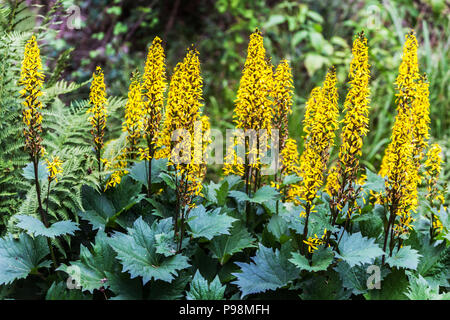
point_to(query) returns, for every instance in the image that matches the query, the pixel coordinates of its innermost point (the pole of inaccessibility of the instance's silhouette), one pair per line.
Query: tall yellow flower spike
(132, 125)
(133, 117)
(421, 119)
(32, 79)
(154, 83)
(320, 124)
(183, 103)
(254, 108)
(282, 95)
(356, 126)
(398, 164)
(183, 112)
(97, 111)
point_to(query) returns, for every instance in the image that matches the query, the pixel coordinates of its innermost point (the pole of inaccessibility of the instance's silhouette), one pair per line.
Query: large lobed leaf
(224, 246)
(18, 258)
(208, 224)
(406, 257)
(320, 261)
(262, 195)
(90, 272)
(102, 209)
(138, 251)
(357, 250)
(202, 290)
(269, 271)
(36, 228)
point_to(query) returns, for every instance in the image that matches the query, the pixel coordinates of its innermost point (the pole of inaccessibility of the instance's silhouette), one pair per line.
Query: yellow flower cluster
(282, 96)
(289, 166)
(398, 164)
(133, 114)
(97, 111)
(314, 242)
(320, 124)
(32, 79)
(420, 119)
(355, 128)
(154, 85)
(183, 113)
(290, 158)
(333, 184)
(119, 167)
(432, 171)
(254, 108)
(54, 168)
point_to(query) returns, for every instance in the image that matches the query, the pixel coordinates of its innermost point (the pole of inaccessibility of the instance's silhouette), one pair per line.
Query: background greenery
(312, 34)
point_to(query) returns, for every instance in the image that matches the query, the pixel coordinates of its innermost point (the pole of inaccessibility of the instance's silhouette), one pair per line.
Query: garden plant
(140, 195)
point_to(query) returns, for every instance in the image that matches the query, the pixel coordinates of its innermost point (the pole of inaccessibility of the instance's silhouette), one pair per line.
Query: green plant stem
(305, 229)
(42, 213)
(149, 177)
(386, 234)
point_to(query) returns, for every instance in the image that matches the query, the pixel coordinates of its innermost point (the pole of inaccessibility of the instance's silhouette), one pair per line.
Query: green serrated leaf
(208, 224)
(18, 258)
(291, 179)
(320, 260)
(161, 290)
(36, 228)
(104, 209)
(124, 287)
(357, 250)
(202, 290)
(324, 287)
(420, 289)
(406, 257)
(224, 246)
(137, 251)
(268, 270)
(392, 287)
(89, 272)
(222, 193)
(139, 171)
(168, 179)
(262, 195)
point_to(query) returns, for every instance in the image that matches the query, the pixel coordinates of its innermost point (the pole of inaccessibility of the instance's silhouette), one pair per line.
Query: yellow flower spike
(254, 108)
(97, 111)
(420, 119)
(320, 124)
(355, 125)
(119, 167)
(398, 165)
(332, 185)
(282, 94)
(154, 83)
(314, 242)
(98, 114)
(32, 79)
(133, 116)
(184, 112)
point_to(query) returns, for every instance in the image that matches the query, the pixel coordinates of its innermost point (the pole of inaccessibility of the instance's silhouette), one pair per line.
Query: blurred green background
(312, 35)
